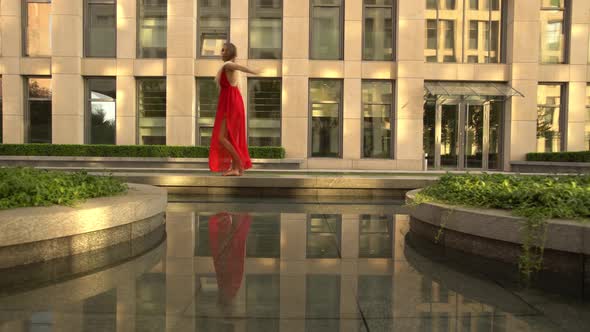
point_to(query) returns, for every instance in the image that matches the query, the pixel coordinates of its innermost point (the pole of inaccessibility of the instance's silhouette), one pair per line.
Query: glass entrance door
(449, 135)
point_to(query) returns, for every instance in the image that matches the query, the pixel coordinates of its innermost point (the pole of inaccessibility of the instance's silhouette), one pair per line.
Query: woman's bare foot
(228, 171)
(233, 172)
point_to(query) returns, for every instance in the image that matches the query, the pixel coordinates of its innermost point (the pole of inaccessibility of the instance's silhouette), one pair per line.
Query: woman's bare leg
(236, 168)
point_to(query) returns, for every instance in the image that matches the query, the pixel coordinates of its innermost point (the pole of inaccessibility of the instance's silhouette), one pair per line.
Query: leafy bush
(536, 198)
(127, 151)
(578, 156)
(23, 187)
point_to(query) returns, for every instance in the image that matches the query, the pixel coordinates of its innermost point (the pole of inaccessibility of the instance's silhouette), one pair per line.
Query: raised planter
(37, 234)
(496, 234)
(549, 167)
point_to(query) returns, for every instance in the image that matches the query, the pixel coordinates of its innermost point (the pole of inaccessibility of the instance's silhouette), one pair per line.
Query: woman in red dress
(229, 148)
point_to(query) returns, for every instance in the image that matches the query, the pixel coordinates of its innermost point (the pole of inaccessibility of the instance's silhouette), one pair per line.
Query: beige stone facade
(68, 67)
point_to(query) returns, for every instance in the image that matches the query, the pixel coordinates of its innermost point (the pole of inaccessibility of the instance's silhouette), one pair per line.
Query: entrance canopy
(483, 90)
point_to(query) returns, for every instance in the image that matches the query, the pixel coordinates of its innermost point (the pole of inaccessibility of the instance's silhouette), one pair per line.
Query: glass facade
(101, 111)
(550, 116)
(100, 28)
(464, 31)
(327, 32)
(152, 111)
(266, 24)
(38, 117)
(378, 43)
(553, 31)
(377, 119)
(264, 112)
(152, 28)
(38, 28)
(207, 97)
(326, 117)
(213, 26)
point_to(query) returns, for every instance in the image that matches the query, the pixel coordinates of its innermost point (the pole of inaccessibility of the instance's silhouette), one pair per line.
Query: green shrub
(127, 151)
(578, 156)
(23, 187)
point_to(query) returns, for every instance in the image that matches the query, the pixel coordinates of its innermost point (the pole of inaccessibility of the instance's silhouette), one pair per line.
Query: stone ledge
(562, 235)
(549, 167)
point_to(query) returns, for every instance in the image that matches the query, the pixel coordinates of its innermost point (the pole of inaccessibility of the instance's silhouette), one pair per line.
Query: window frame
(27, 108)
(228, 31)
(393, 129)
(197, 126)
(563, 114)
(310, 118)
(566, 29)
(280, 103)
(86, 26)
(338, 232)
(25, 25)
(394, 28)
(341, 34)
(137, 98)
(88, 106)
(138, 31)
(1, 111)
(390, 231)
(250, 16)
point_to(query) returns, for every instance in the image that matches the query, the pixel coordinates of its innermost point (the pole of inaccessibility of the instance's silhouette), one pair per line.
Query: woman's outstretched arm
(235, 66)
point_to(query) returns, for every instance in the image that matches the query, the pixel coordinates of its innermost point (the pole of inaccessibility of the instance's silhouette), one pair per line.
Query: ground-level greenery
(28, 187)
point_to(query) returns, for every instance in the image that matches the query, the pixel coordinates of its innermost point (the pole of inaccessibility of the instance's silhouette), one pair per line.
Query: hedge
(67, 150)
(578, 156)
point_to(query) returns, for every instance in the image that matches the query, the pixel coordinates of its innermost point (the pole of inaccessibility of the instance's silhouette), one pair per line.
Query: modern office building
(345, 84)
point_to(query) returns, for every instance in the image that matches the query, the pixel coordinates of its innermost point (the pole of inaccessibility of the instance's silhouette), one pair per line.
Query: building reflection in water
(274, 271)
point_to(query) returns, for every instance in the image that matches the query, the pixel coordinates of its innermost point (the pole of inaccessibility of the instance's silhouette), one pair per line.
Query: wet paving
(278, 266)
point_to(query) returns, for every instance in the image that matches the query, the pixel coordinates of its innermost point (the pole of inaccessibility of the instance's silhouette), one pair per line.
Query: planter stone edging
(562, 235)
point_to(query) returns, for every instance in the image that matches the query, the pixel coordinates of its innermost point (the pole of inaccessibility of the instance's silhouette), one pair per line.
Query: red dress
(227, 240)
(231, 108)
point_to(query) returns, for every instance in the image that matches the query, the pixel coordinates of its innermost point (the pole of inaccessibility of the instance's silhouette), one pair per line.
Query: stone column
(180, 77)
(126, 86)
(577, 86)
(353, 46)
(409, 89)
(295, 70)
(67, 105)
(12, 83)
(523, 54)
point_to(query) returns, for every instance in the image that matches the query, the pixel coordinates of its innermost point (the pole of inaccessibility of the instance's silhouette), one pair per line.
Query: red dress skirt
(231, 109)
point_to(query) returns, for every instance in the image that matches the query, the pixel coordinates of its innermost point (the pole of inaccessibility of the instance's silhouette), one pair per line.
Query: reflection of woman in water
(227, 239)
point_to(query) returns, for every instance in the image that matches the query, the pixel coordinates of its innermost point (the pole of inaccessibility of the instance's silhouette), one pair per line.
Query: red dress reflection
(227, 239)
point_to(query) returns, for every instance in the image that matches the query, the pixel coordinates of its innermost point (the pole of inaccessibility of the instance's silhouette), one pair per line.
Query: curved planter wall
(30, 235)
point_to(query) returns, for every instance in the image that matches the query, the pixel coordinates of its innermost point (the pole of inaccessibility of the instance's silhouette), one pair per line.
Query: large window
(378, 30)
(101, 111)
(553, 30)
(266, 25)
(207, 96)
(326, 117)
(213, 29)
(100, 28)
(151, 32)
(326, 29)
(38, 113)
(152, 111)
(38, 28)
(587, 123)
(464, 31)
(551, 118)
(264, 112)
(377, 119)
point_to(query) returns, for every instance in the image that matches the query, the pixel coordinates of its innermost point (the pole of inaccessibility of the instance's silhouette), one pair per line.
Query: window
(550, 118)
(152, 111)
(213, 26)
(38, 113)
(326, 29)
(326, 117)
(264, 112)
(101, 111)
(378, 30)
(100, 28)
(375, 236)
(151, 32)
(1, 122)
(324, 233)
(38, 28)
(587, 125)
(207, 96)
(377, 119)
(553, 31)
(266, 25)
(464, 32)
